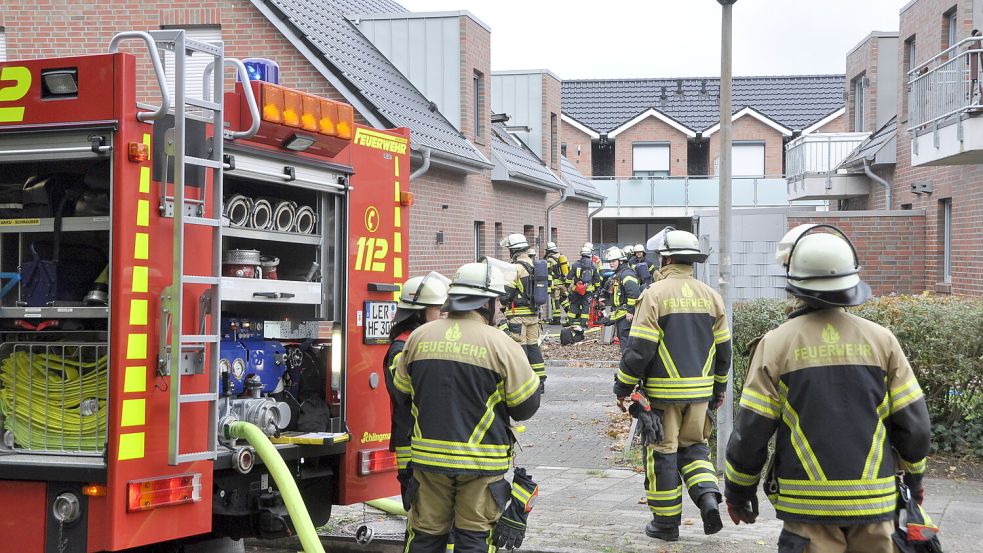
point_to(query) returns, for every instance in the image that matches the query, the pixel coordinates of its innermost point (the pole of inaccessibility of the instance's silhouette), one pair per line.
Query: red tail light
(375, 461)
(142, 495)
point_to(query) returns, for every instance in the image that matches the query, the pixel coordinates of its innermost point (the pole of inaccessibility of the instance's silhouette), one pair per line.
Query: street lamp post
(725, 416)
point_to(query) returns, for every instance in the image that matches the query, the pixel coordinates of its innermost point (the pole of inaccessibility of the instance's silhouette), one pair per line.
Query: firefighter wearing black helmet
(462, 380)
(847, 409)
(678, 356)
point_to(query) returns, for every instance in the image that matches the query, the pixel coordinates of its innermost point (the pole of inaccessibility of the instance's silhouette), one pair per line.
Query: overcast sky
(672, 38)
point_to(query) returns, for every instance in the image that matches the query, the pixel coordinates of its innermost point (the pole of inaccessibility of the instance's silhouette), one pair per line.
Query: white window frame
(946, 239)
(479, 230)
(738, 144)
(859, 103)
(952, 24)
(3, 44)
(195, 64)
(655, 163)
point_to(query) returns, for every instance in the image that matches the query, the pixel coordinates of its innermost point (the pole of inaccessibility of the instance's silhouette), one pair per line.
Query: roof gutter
(874, 177)
(549, 212)
(425, 152)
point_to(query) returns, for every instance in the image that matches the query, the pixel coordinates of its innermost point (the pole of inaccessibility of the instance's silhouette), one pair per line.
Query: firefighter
(678, 356)
(520, 310)
(582, 282)
(463, 380)
(420, 300)
(558, 268)
(642, 268)
(625, 290)
(852, 410)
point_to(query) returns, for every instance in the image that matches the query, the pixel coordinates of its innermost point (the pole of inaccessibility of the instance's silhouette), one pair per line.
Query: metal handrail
(165, 95)
(820, 153)
(250, 97)
(943, 86)
(617, 201)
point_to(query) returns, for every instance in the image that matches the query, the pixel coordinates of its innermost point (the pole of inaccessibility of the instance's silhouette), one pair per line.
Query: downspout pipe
(876, 178)
(564, 194)
(590, 218)
(425, 152)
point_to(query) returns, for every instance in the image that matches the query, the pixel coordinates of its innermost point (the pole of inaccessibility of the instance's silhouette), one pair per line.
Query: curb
(578, 364)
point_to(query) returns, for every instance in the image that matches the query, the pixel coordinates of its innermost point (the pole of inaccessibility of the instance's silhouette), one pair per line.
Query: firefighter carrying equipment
(521, 308)
(914, 531)
(822, 268)
(650, 420)
(680, 346)
(475, 284)
(551, 247)
(831, 466)
(582, 281)
(50, 402)
(511, 527)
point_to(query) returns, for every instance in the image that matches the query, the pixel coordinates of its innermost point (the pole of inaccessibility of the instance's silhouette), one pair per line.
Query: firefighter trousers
(467, 503)
(578, 312)
(682, 457)
(528, 334)
(623, 327)
(559, 302)
(798, 537)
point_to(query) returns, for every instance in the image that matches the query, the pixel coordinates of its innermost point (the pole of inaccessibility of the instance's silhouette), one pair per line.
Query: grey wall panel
(521, 97)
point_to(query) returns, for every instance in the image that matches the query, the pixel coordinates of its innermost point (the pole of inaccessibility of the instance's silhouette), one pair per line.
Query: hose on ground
(284, 481)
(386, 505)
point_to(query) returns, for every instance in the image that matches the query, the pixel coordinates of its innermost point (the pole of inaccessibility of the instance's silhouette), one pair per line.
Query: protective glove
(719, 393)
(510, 529)
(649, 423)
(746, 512)
(407, 486)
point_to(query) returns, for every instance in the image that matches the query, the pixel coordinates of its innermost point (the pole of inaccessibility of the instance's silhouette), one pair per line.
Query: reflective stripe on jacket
(847, 410)
(625, 292)
(463, 380)
(516, 302)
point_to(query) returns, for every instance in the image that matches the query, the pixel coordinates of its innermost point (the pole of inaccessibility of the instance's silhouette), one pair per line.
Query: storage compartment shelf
(47, 224)
(54, 312)
(270, 291)
(271, 235)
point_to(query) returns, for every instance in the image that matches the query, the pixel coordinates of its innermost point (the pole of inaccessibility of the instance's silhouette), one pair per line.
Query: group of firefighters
(849, 420)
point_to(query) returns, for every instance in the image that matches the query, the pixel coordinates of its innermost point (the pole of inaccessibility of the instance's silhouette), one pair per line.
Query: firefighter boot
(662, 531)
(710, 513)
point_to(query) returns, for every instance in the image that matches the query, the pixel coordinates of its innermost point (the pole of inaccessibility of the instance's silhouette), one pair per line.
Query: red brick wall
(575, 138)
(860, 63)
(840, 124)
(750, 128)
(650, 130)
(476, 58)
(960, 183)
(890, 245)
(551, 108)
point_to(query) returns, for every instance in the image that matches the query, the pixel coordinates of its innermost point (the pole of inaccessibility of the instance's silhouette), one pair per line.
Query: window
(650, 159)
(554, 236)
(907, 62)
(631, 233)
(859, 93)
(554, 139)
(563, 149)
(748, 159)
(529, 232)
(541, 237)
(950, 29)
(945, 216)
(3, 44)
(194, 68)
(479, 240)
(479, 93)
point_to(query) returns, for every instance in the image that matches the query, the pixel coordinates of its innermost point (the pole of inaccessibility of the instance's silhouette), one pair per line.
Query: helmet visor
(433, 277)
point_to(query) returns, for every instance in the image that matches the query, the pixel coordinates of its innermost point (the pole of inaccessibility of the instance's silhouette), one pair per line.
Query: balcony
(944, 107)
(812, 162)
(676, 197)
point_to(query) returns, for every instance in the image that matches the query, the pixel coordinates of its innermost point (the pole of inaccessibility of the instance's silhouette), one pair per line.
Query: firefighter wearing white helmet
(458, 378)
(582, 281)
(636, 260)
(852, 398)
(519, 303)
(420, 301)
(558, 266)
(625, 289)
(678, 356)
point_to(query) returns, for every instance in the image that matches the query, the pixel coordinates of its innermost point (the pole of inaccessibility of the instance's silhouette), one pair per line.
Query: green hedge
(943, 339)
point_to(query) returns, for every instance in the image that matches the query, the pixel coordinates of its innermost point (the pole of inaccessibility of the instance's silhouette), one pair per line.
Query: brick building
(917, 93)
(652, 145)
(480, 182)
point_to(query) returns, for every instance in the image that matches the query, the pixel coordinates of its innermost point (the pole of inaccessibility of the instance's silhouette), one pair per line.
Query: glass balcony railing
(693, 192)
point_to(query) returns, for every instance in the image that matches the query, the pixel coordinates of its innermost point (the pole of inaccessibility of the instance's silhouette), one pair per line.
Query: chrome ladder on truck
(180, 353)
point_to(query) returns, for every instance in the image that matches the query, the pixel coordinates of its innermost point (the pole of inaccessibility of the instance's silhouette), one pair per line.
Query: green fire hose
(281, 475)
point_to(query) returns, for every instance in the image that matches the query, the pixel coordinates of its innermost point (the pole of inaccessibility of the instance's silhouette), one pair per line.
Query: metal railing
(946, 85)
(694, 191)
(820, 153)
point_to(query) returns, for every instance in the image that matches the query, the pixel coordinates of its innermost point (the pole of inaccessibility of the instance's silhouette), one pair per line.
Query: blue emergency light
(261, 69)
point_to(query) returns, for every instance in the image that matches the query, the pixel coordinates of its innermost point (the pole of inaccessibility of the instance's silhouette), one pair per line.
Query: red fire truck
(163, 276)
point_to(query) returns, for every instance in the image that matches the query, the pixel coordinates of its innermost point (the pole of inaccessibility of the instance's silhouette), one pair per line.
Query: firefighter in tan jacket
(461, 380)
(518, 306)
(678, 355)
(844, 402)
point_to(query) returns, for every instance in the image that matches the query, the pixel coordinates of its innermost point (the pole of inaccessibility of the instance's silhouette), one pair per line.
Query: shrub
(942, 337)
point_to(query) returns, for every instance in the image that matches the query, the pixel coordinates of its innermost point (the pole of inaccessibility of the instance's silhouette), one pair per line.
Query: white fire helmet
(822, 266)
(424, 291)
(677, 244)
(614, 253)
(588, 249)
(515, 242)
